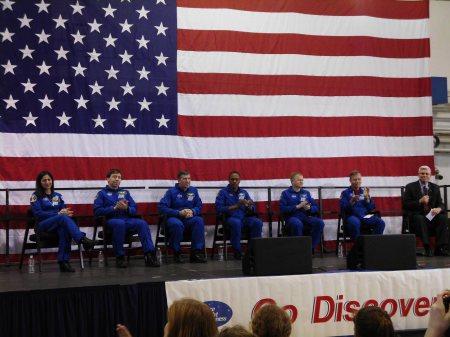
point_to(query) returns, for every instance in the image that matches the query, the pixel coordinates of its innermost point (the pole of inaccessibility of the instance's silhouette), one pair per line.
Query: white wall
(440, 39)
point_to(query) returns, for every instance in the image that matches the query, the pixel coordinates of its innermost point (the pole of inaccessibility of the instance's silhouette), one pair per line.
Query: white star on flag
(143, 13)
(28, 86)
(7, 4)
(126, 26)
(110, 41)
(161, 59)
(96, 88)
(43, 7)
(161, 29)
(129, 121)
(78, 38)
(162, 121)
(109, 11)
(64, 119)
(9, 68)
(79, 70)
(99, 121)
(126, 57)
(81, 102)
(127, 89)
(46, 102)
(113, 104)
(44, 68)
(43, 37)
(95, 26)
(63, 86)
(30, 119)
(77, 8)
(61, 53)
(10, 102)
(142, 42)
(144, 104)
(26, 52)
(162, 89)
(112, 73)
(93, 55)
(25, 21)
(7, 35)
(60, 22)
(143, 73)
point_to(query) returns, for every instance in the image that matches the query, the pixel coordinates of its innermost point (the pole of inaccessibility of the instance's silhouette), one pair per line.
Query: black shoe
(65, 267)
(120, 262)
(428, 252)
(177, 258)
(237, 255)
(197, 257)
(150, 260)
(88, 244)
(441, 251)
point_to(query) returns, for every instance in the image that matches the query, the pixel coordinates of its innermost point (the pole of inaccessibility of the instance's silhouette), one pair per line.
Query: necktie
(426, 207)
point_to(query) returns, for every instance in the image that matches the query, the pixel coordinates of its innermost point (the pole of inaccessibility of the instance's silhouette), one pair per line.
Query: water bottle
(159, 256)
(220, 253)
(101, 259)
(31, 264)
(340, 250)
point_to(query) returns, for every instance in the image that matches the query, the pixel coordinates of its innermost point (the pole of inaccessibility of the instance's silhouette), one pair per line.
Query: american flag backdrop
(265, 87)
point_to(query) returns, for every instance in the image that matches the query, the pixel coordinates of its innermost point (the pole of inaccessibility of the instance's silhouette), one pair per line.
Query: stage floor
(11, 279)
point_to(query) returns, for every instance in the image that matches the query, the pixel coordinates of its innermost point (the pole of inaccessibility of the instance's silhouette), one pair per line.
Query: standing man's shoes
(120, 262)
(150, 259)
(177, 258)
(65, 267)
(197, 257)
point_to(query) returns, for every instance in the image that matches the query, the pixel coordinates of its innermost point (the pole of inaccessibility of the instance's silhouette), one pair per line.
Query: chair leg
(80, 250)
(25, 240)
(214, 242)
(321, 246)
(39, 255)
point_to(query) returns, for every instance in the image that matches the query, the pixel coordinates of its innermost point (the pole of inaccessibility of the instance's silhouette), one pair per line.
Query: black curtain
(84, 312)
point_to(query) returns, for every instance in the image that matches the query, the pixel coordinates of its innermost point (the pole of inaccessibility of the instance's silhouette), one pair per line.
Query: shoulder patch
(33, 198)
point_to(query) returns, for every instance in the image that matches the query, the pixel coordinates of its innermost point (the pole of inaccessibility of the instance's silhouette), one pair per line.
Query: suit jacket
(413, 192)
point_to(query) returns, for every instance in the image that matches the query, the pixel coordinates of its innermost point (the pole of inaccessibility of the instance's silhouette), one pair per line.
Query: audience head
(190, 318)
(114, 177)
(373, 322)
(44, 182)
(235, 331)
(184, 179)
(424, 173)
(355, 179)
(271, 321)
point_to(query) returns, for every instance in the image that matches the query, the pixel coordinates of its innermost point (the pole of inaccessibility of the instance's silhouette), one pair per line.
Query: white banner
(320, 304)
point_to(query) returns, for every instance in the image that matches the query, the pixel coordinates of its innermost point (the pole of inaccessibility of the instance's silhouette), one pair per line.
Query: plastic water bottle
(159, 256)
(31, 264)
(340, 250)
(101, 259)
(220, 253)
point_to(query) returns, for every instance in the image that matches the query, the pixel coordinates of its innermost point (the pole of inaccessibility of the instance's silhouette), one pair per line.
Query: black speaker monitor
(383, 252)
(278, 256)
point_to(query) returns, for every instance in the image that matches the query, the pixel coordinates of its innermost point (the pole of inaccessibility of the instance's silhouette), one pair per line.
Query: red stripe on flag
(206, 83)
(376, 8)
(204, 40)
(88, 168)
(237, 126)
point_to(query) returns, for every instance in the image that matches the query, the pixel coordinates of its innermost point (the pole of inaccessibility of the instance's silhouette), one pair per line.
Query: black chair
(284, 231)
(41, 240)
(341, 234)
(104, 238)
(222, 234)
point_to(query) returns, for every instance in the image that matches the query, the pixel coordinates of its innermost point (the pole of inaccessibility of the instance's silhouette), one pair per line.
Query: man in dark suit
(422, 200)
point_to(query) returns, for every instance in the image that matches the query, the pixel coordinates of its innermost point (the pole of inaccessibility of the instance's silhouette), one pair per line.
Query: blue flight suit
(174, 200)
(45, 210)
(120, 221)
(354, 214)
(299, 219)
(237, 218)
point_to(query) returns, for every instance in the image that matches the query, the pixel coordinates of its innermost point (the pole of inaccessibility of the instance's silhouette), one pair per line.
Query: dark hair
(39, 191)
(190, 318)
(353, 173)
(113, 171)
(235, 331)
(182, 173)
(373, 322)
(234, 172)
(271, 321)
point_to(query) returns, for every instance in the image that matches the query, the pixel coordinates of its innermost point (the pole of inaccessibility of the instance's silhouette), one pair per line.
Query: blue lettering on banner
(222, 311)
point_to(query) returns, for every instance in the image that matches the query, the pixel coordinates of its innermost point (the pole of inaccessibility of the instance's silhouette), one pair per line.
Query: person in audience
(185, 318)
(239, 209)
(373, 322)
(182, 206)
(52, 215)
(271, 321)
(300, 211)
(235, 331)
(425, 210)
(439, 320)
(119, 208)
(356, 207)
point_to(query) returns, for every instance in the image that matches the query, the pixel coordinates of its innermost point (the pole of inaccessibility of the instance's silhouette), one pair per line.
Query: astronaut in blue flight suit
(299, 208)
(182, 206)
(117, 205)
(235, 203)
(356, 205)
(52, 215)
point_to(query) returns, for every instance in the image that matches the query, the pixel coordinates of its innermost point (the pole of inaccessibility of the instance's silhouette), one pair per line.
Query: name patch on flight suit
(55, 200)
